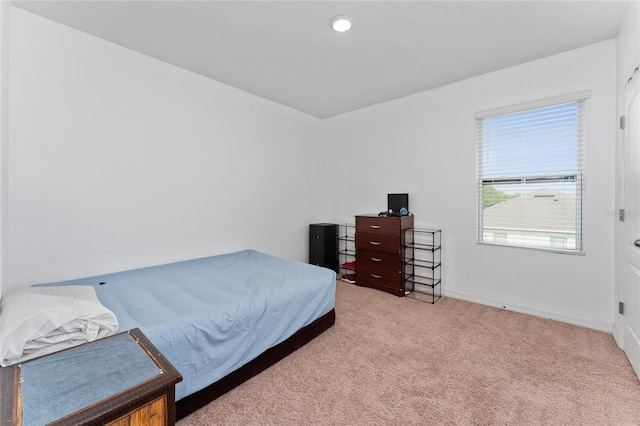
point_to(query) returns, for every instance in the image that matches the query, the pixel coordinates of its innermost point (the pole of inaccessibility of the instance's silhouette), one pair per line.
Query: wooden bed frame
(193, 402)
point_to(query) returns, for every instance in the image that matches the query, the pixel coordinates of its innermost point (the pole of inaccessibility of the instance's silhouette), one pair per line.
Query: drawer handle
(376, 259)
(375, 226)
(374, 243)
(376, 276)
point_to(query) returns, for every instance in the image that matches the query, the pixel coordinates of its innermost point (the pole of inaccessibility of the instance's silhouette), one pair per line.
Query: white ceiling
(286, 51)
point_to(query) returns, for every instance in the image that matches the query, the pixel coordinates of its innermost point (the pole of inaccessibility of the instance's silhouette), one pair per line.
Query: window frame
(580, 99)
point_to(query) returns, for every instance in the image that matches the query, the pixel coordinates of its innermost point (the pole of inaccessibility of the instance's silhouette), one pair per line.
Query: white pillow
(36, 321)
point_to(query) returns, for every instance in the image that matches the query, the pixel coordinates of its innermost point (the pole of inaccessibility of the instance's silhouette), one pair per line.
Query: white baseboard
(542, 313)
(618, 336)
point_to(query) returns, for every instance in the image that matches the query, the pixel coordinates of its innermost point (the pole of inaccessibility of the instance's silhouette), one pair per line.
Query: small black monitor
(395, 203)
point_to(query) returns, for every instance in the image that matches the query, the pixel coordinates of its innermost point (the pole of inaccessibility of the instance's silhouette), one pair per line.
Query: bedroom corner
(137, 162)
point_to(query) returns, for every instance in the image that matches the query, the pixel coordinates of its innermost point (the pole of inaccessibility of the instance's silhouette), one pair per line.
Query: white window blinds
(531, 175)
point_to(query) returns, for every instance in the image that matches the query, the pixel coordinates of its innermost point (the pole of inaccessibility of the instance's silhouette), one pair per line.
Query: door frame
(618, 328)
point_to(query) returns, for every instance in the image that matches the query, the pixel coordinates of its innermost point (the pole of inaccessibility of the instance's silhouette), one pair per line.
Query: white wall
(5, 24)
(627, 58)
(424, 144)
(120, 161)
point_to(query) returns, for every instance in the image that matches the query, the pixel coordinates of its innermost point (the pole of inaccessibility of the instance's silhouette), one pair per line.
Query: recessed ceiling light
(341, 23)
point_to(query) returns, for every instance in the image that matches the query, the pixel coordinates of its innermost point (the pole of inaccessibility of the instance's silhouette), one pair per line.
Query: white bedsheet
(36, 321)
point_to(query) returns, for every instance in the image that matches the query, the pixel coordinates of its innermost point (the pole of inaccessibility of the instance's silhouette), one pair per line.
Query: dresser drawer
(379, 259)
(370, 276)
(378, 225)
(384, 243)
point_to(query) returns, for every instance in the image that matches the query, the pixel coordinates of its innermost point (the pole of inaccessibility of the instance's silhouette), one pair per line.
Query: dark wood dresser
(380, 252)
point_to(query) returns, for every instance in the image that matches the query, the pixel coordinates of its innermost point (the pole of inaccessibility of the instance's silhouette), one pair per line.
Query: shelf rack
(347, 246)
(423, 264)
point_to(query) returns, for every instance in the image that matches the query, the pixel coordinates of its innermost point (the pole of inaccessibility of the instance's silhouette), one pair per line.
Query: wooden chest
(147, 401)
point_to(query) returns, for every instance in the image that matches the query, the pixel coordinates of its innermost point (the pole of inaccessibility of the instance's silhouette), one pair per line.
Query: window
(531, 174)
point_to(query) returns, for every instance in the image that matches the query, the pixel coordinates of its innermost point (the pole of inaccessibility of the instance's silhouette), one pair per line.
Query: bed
(220, 320)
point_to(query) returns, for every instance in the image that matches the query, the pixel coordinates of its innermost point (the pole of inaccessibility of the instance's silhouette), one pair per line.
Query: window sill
(541, 249)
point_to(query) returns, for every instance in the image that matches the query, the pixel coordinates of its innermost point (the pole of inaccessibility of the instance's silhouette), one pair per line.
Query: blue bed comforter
(211, 316)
